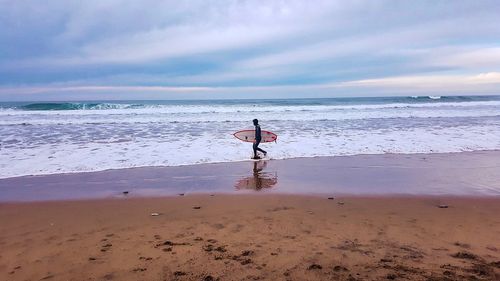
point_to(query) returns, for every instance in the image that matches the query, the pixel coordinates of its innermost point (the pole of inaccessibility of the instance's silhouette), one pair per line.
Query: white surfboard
(249, 136)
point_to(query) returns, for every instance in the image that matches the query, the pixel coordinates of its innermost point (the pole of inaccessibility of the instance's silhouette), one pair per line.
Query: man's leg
(256, 147)
(255, 150)
(261, 150)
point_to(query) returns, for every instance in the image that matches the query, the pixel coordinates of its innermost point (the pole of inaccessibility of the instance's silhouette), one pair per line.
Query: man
(258, 138)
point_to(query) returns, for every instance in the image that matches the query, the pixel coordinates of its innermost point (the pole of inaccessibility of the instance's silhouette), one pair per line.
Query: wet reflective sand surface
(467, 173)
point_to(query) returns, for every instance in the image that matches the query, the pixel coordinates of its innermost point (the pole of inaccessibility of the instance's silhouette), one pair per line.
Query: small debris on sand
(155, 214)
(391, 276)
(443, 206)
(314, 266)
(221, 249)
(139, 269)
(196, 207)
(492, 248)
(247, 253)
(208, 248)
(330, 198)
(245, 261)
(179, 273)
(464, 255)
(338, 268)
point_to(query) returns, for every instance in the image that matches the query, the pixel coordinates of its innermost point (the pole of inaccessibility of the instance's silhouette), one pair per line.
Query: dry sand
(252, 237)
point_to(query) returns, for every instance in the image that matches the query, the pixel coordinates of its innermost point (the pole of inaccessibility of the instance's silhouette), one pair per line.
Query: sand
(252, 237)
(467, 174)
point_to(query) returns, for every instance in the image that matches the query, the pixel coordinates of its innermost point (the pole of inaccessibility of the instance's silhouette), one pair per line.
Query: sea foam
(45, 138)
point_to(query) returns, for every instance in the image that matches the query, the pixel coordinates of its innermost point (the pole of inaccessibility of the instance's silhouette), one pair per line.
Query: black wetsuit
(258, 138)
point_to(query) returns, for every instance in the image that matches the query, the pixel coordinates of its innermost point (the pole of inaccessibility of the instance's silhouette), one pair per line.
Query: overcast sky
(151, 49)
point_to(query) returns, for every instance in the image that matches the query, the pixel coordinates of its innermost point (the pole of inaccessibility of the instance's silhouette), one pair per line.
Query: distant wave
(220, 108)
(259, 105)
(77, 106)
(435, 97)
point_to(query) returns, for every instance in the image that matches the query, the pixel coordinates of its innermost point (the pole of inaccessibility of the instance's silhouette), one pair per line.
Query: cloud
(52, 89)
(429, 80)
(161, 33)
(107, 46)
(479, 57)
(483, 83)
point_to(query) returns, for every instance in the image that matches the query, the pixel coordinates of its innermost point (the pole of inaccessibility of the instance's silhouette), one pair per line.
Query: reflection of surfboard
(249, 136)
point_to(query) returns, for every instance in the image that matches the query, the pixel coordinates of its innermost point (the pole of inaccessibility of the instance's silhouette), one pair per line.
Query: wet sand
(366, 217)
(466, 174)
(252, 237)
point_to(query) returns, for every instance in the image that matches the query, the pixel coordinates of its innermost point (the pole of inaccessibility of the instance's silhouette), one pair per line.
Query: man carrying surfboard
(256, 136)
(258, 139)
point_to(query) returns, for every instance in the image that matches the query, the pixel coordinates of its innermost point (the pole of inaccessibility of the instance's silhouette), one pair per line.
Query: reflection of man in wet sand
(259, 179)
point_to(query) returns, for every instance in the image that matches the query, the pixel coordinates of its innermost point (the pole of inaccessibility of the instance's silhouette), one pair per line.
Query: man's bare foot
(256, 157)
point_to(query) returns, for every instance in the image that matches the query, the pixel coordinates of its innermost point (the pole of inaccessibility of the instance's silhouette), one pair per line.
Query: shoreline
(472, 174)
(249, 160)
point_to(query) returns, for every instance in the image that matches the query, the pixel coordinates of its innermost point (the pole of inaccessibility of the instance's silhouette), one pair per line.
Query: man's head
(255, 122)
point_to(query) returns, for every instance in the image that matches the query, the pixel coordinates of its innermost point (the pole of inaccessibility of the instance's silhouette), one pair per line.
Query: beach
(389, 188)
(252, 237)
(411, 217)
(249, 140)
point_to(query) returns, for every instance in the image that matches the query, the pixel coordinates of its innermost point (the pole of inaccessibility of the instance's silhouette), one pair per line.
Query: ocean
(47, 138)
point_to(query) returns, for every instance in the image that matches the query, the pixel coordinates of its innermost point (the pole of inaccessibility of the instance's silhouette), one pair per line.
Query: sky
(215, 49)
